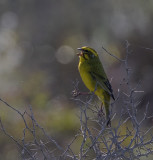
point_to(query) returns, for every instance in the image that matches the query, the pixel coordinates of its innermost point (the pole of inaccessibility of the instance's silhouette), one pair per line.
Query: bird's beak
(81, 53)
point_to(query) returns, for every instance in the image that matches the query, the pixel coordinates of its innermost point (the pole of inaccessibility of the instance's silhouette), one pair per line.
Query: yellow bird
(94, 77)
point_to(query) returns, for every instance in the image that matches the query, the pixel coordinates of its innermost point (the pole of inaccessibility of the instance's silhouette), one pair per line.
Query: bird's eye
(86, 52)
(91, 55)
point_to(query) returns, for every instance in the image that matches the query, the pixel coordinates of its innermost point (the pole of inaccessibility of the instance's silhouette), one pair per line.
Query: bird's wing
(103, 81)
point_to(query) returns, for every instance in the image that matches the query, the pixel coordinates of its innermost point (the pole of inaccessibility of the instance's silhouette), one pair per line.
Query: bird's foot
(101, 112)
(75, 93)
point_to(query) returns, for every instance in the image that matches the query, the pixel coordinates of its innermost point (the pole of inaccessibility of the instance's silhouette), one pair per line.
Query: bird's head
(87, 53)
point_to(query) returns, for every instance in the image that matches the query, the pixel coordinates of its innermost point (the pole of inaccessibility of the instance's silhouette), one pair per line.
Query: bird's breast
(85, 70)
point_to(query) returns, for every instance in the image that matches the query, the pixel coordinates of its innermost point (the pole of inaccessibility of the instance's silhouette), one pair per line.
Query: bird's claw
(75, 93)
(101, 113)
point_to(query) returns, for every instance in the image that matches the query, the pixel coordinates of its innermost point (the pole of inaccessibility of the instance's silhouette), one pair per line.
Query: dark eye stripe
(86, 51)
(89, 53)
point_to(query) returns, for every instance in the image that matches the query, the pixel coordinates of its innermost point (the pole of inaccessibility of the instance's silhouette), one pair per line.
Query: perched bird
(94, 77)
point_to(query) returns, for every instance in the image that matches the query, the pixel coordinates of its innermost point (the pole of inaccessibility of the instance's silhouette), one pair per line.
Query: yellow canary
(94, 77)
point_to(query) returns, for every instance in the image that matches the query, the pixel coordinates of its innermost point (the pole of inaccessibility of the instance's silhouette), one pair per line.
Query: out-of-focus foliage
(38, 62)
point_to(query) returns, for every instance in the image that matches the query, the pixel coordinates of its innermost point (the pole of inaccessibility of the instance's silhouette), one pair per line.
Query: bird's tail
(108, 119)
(108, 115)
(105, 98)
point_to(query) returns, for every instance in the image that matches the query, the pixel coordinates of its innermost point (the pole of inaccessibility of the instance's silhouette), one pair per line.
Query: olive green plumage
(94, 77)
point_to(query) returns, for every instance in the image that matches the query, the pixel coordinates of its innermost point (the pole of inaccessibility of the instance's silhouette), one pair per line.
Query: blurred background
(38, 62)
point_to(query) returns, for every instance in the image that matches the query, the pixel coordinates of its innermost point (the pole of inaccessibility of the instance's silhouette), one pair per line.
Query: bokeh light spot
(65, 54)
